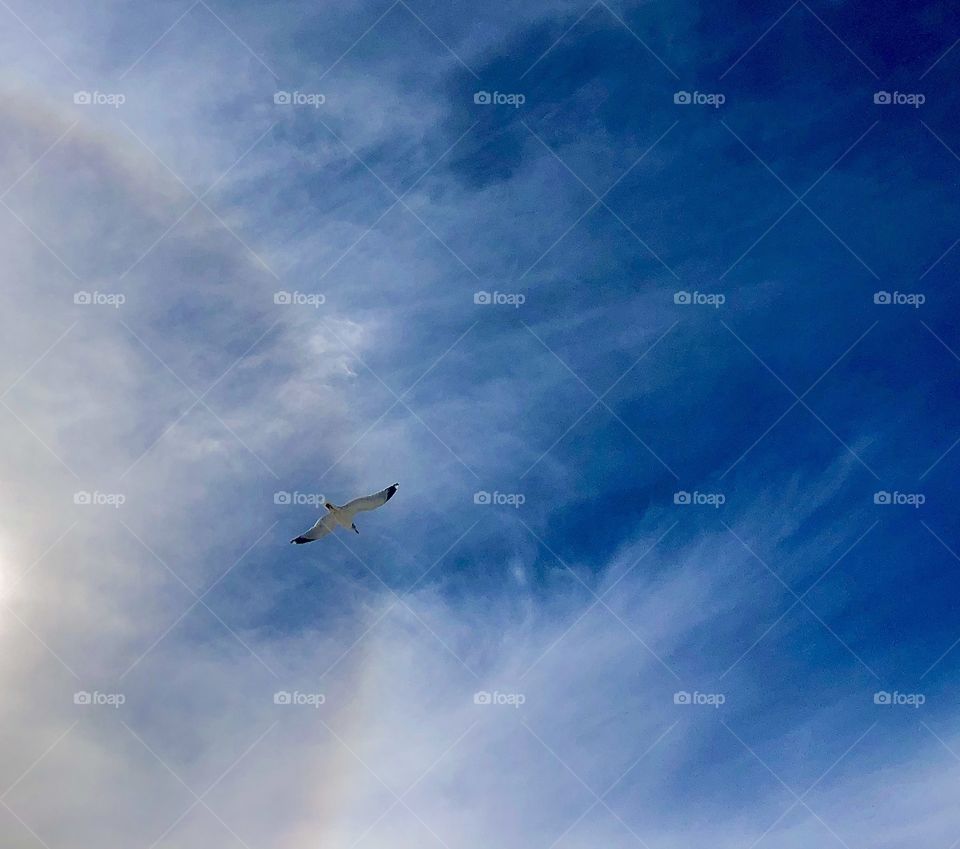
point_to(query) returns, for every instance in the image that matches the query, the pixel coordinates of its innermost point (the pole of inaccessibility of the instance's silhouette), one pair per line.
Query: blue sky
(745, 301)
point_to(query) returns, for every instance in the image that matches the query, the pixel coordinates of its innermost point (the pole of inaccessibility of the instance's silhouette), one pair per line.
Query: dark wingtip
(300, 540)
(392, 490)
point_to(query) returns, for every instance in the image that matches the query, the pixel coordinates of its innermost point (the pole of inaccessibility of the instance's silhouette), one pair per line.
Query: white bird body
(343, 516)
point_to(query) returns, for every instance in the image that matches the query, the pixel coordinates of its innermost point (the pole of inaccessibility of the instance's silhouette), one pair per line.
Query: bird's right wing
(370, 502)
(323, 527)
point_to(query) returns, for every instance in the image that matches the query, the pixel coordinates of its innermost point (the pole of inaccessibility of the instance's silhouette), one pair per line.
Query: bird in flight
(343, 516)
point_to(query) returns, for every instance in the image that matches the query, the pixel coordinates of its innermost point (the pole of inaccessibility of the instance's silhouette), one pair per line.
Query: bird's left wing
(324, 526)
(371, 502)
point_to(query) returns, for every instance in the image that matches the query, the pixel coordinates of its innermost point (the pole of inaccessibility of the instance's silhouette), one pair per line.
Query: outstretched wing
(370, 502)
(323, 527)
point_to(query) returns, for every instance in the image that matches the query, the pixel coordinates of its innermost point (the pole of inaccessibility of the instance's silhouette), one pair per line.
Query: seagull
(343, 516)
